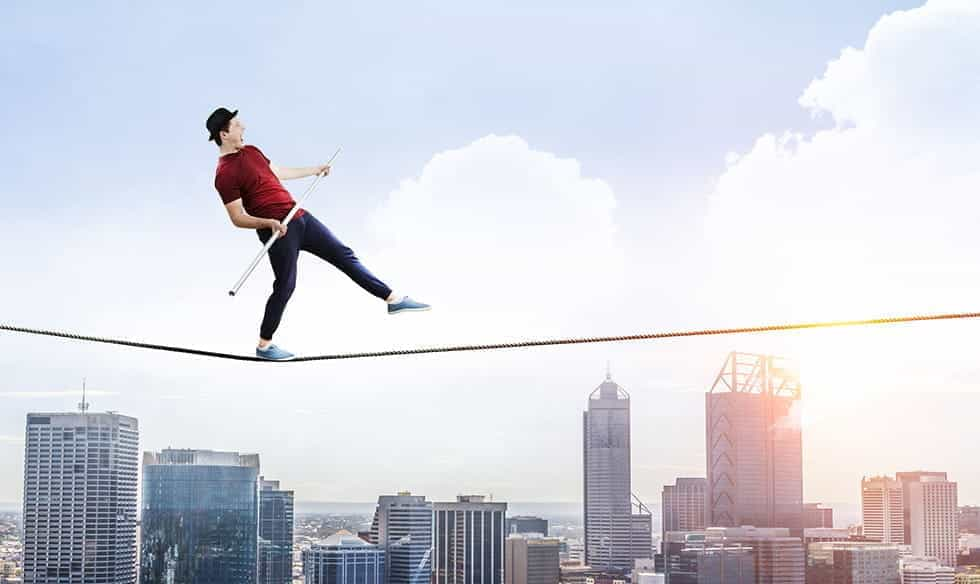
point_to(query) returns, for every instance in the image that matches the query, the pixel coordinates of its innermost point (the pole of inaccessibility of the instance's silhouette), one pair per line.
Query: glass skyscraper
(200, 518)
(275, 533)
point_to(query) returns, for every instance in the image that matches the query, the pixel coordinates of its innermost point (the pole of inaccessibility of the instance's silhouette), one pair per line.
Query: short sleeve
(262, 154)
(228, 186)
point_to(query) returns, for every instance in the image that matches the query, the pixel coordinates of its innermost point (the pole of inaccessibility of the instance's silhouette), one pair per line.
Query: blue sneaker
(273, 353)
(407, 305)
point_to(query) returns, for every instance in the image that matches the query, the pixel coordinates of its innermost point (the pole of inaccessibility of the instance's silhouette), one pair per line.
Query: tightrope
(498, 346)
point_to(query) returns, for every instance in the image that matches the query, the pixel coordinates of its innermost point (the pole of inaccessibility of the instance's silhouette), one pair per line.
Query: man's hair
(217, 136)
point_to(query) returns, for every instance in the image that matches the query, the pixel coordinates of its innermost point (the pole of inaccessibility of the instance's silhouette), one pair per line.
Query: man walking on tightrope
(254, 197)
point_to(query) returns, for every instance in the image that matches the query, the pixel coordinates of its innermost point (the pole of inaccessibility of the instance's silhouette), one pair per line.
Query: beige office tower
(881, 510)
(932, 516)
(531, 559)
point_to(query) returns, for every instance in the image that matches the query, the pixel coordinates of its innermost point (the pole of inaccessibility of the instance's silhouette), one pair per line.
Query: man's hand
(323, 170)
(276, 226)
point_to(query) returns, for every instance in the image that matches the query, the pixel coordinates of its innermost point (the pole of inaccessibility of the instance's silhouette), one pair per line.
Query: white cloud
(507, 232)
(877, 214)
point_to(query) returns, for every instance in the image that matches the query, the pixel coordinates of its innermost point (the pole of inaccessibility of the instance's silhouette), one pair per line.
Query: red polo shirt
(246, 175)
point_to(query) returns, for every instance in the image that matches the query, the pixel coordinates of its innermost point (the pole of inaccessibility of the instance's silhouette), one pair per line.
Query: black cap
(218, 121)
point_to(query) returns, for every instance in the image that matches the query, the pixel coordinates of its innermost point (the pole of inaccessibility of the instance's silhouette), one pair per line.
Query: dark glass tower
(200, 517)
(275, 534)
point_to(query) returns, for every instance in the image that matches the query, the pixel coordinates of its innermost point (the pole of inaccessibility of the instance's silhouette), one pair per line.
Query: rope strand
(499, 346)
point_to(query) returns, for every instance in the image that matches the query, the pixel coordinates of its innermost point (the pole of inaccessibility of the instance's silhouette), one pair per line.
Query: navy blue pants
(305, 233)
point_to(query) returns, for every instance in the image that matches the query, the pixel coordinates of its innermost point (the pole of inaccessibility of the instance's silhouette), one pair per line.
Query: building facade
(200, 517)
(613, 536)
(691, 558)
(684, 505)
(80, 482)
(882, 510)
(925, 570)
(531, 559)
(469, 541)
(402, 527)
(845, 562)
(527, 524)
(754, 444)
(275, 533)
(931, 516)
(344, 558)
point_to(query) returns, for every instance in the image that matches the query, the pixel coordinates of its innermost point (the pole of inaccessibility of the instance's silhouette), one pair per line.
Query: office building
(402, 527)
(754, 444)
(469, 541)
(80, 481)
(344, 558)
(200, 520)
(275, 533)
(531, 559)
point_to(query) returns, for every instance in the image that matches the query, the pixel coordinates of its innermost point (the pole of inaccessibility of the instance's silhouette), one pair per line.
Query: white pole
(275, 235)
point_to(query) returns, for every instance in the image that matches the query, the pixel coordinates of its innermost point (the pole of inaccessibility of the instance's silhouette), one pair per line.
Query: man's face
(235, 135)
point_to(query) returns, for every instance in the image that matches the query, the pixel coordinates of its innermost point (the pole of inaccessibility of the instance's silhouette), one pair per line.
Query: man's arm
(287, 173)
(240, 218)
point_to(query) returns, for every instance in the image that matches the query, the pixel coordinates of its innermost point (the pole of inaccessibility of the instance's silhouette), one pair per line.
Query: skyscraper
(344, 558)
(469, 541)
(200, 517)
(684, 505)
(614, 535)
(754, 444)
(531, 559)
(931, 515)
(275, 533)
(402, 527)
(80, 477)
(881, 510)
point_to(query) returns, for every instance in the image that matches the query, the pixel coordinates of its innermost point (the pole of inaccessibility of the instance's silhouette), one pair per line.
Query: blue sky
(107, 189)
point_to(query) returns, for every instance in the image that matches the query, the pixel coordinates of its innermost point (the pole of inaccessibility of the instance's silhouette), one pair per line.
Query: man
(250, 187)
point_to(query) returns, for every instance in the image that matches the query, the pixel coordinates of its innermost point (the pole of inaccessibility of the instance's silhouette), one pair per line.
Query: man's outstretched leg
(319, 241)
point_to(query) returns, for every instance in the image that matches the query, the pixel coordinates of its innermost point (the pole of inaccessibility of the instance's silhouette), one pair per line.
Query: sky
(547, 170)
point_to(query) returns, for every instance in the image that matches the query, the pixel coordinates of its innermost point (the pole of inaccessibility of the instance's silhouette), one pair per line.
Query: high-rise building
(925, 570)
(275, 533)
(754, 444)
(200, 517)
(344, 558)
(779, 557)
(693, 558)
(527, 524)
(815, 516)
(684, 505)
(882, 514)
(615, 535)
(469, 541)
(80, 481)
(402, 527)
(931, 515)
(848, 562)
(531, 559)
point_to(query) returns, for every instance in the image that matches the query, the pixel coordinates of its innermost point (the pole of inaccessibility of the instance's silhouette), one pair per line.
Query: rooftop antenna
(608, 371)
(83, 405)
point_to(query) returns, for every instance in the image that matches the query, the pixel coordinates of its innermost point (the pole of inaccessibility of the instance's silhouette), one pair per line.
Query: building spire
(608, 372)
(83, 405)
